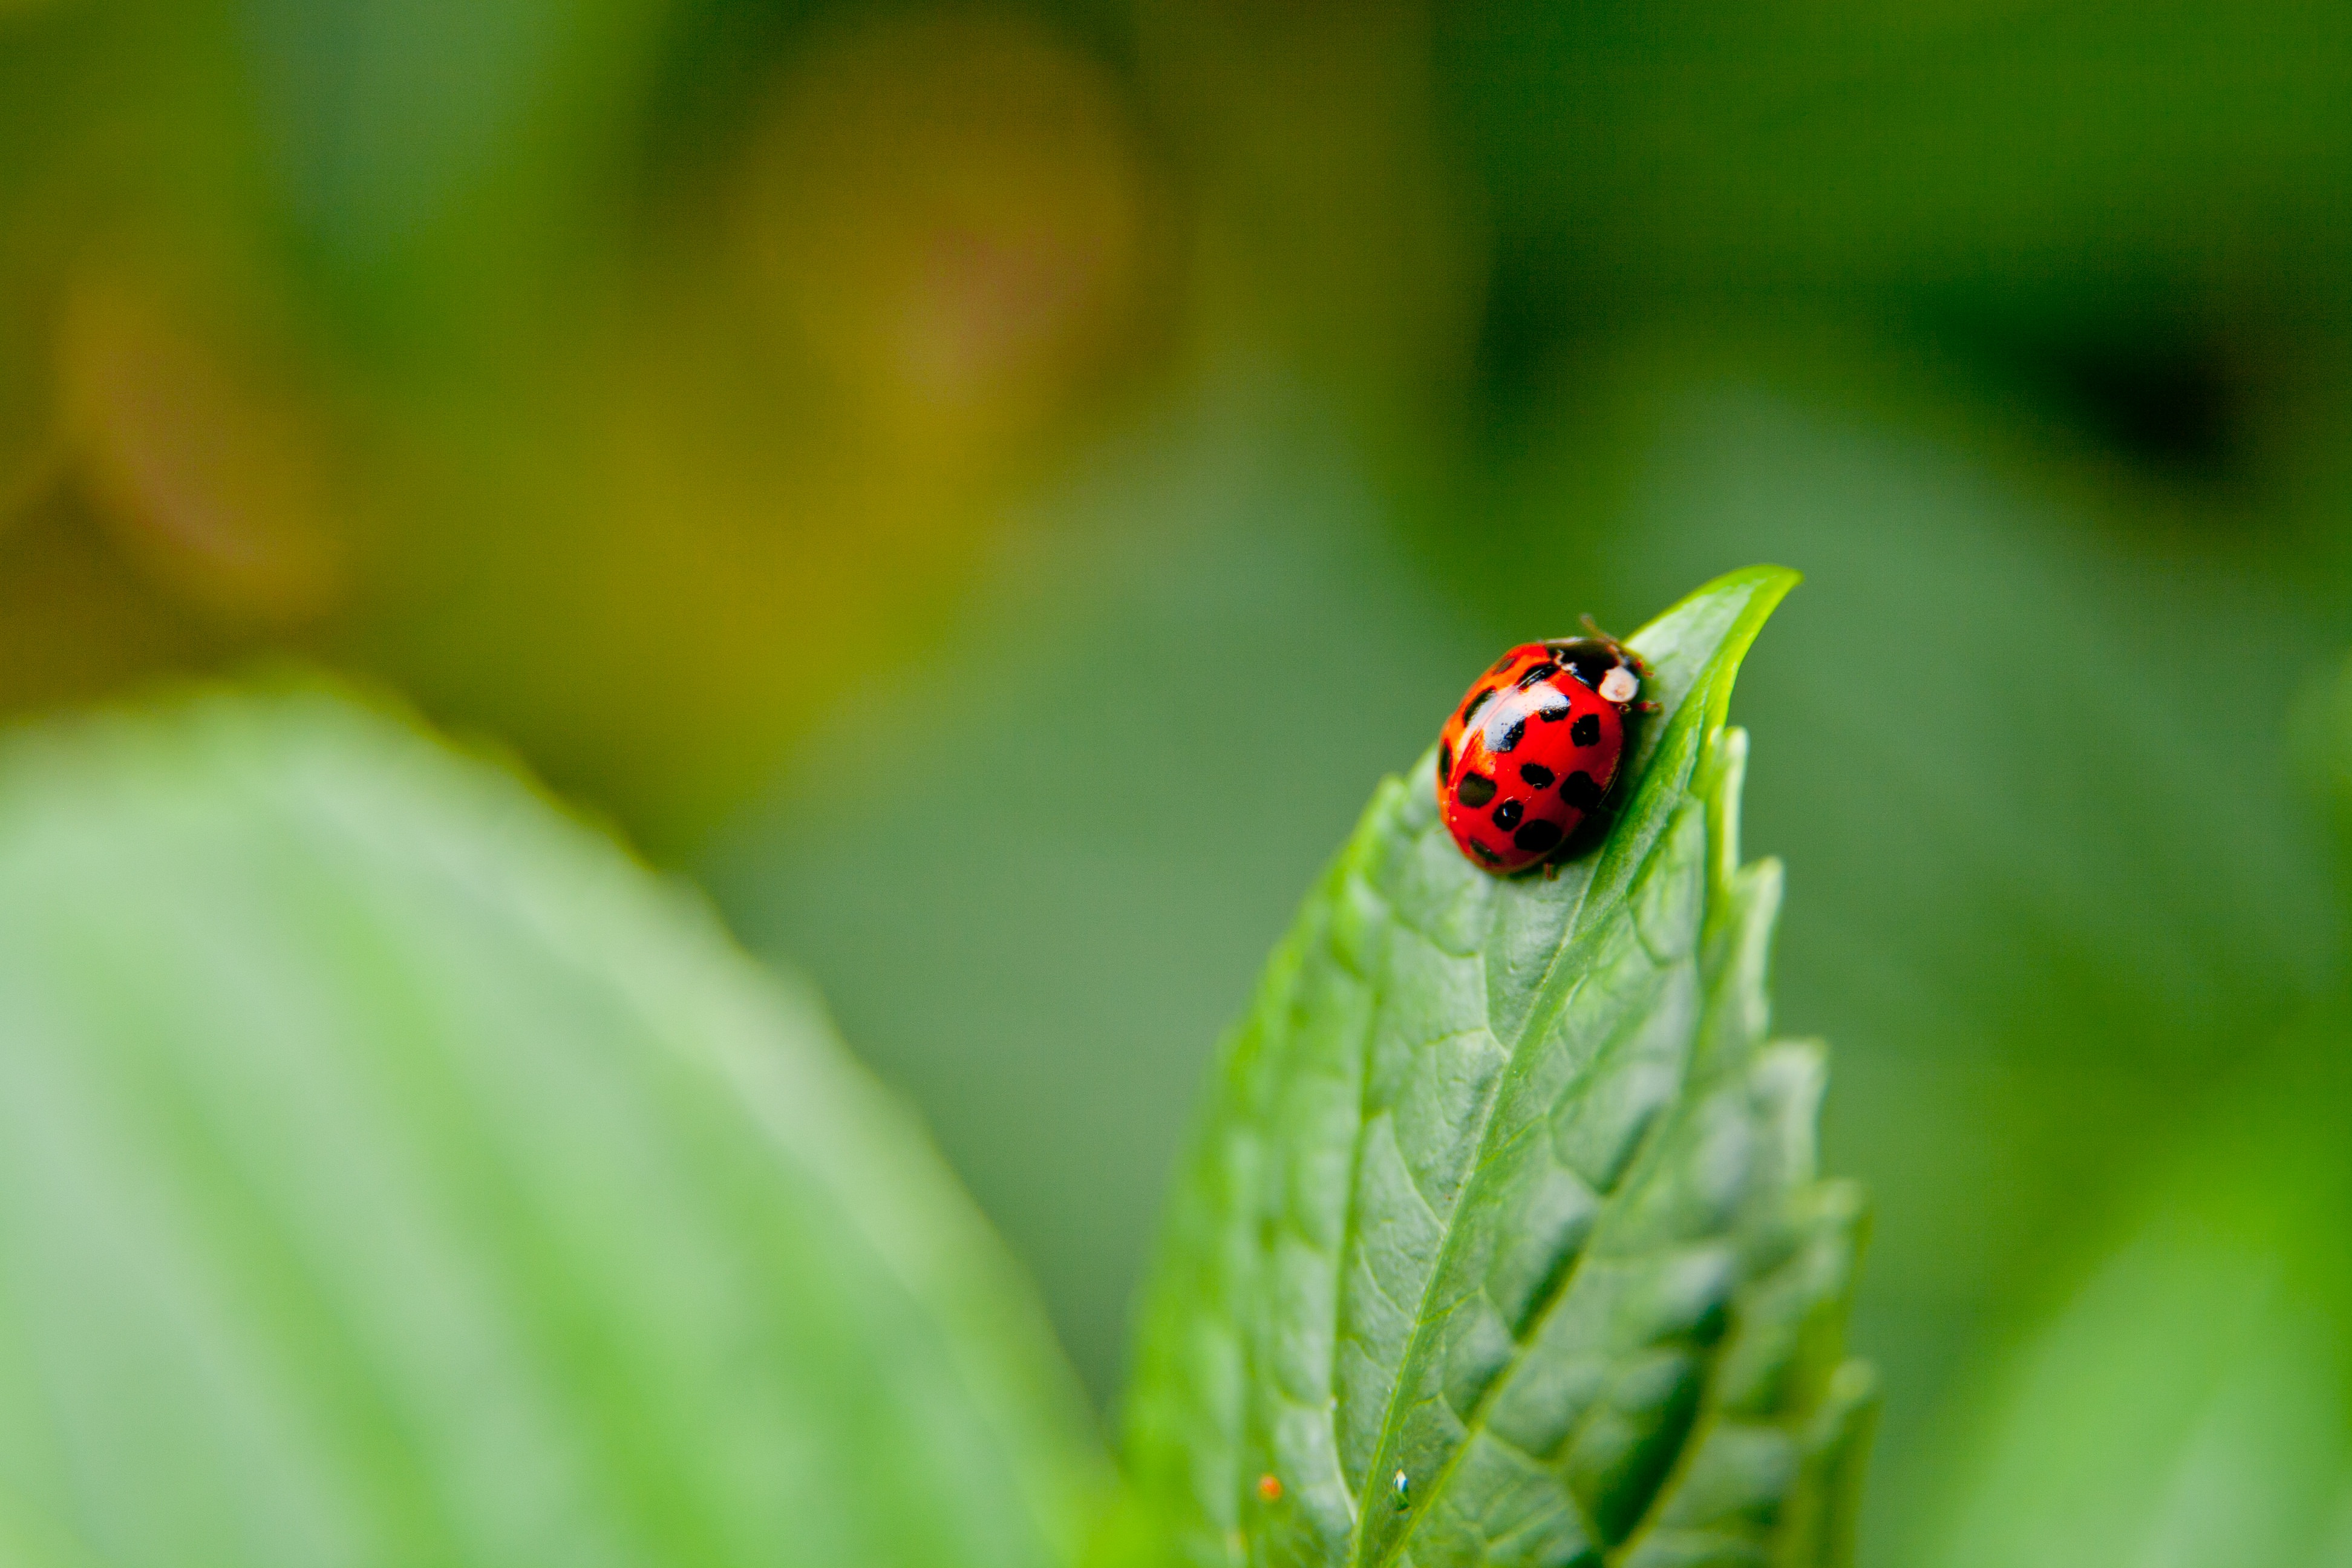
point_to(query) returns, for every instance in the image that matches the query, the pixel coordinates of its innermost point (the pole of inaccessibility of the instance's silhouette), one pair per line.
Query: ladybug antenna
(1593, 628)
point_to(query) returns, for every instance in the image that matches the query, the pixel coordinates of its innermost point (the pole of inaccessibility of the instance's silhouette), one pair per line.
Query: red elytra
(1535, 748)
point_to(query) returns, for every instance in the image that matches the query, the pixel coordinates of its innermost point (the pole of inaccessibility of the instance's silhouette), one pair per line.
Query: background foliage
(1003, 483)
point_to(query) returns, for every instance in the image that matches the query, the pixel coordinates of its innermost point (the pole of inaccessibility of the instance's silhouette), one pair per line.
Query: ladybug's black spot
(1538, 674)
(1537, 775)
(1580, 791)
(1508, 815)
(1502, 663)
(1508, 737)
(1485, 854)
(1560, 708)
(1475, 790)
(1444, 758)
(1477, 701)
(1586, 731)
(1538, 836)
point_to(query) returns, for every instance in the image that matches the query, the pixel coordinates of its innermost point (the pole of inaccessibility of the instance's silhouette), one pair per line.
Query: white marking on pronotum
(1619, 684)
(1402, 1487)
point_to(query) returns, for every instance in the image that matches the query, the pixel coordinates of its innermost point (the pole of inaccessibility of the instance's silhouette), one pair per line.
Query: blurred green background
(988, 490)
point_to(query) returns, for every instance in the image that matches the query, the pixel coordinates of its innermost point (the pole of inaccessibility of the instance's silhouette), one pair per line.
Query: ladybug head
(1603, 664)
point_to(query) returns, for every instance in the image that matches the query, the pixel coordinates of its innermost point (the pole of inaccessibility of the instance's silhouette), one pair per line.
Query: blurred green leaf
(1503, 1193)
(2189, 1401)
(29, 1539)
(2180, 1412)
(2191, 1404)
(391, 1172)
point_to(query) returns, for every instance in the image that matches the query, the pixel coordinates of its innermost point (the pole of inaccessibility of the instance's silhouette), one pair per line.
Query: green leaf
(392, 1173)
(1502, 1191)
(2190, 1401)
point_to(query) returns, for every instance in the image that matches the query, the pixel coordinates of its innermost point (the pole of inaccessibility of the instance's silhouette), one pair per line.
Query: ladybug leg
(1646, 706)
(1551, 870)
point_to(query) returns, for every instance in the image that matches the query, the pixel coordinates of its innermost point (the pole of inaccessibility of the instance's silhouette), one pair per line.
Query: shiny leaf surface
(392, 1173)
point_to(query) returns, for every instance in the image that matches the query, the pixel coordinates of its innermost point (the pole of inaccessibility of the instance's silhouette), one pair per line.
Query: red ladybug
(1535, 749)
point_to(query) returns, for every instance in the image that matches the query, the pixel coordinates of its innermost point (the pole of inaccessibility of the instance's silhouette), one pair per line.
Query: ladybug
(1536, 748)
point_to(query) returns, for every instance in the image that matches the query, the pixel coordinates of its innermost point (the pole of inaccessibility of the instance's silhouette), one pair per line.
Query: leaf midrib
(1540, 1015)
